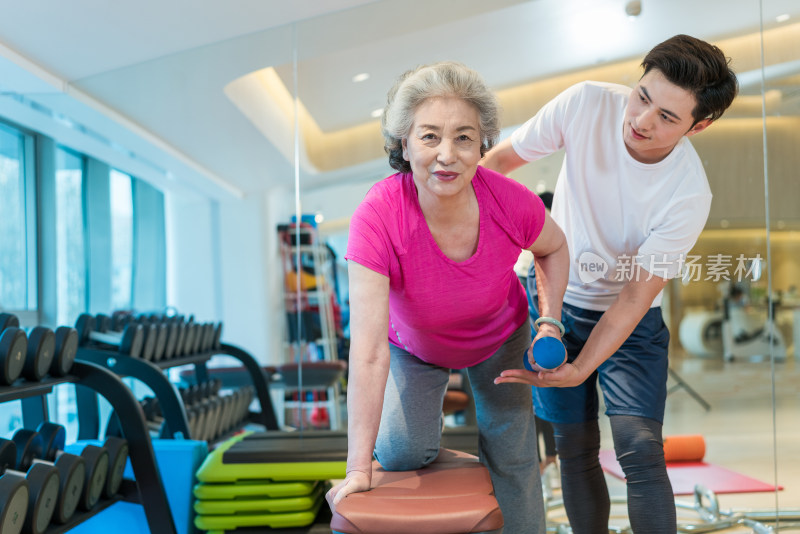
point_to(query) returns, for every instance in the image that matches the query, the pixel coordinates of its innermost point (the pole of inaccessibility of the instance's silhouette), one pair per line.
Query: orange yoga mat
(684, 475)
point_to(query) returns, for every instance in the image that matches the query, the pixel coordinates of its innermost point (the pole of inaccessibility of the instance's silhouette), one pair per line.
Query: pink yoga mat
(685, 475)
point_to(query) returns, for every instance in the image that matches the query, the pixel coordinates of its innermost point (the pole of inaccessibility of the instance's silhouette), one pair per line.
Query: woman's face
(443, 146)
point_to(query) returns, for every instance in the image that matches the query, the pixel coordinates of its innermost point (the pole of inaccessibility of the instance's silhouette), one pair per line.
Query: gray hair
(443, 79)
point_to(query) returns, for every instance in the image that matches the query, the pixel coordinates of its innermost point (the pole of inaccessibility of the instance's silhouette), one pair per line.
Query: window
(70, 246)
(121, 240)
(17, 240)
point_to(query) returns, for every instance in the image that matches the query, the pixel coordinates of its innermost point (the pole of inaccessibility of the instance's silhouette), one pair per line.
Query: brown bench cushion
(453, 495)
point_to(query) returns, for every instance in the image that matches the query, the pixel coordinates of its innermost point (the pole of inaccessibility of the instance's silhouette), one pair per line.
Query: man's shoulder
(603, 89)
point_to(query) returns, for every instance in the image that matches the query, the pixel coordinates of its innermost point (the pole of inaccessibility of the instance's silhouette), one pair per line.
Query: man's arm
(502, 158)
(608, 335)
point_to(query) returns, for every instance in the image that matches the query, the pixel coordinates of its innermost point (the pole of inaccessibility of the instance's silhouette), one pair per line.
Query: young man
(632, 198)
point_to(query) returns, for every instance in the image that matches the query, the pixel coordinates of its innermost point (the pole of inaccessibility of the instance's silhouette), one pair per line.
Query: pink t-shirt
(447, 313)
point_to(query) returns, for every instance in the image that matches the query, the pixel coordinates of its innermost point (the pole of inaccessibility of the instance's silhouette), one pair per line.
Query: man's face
(659, 113)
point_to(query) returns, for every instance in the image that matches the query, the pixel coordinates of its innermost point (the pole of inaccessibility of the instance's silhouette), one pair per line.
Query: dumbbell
(157, 335)
(41, 346)
(115, 447)
(549, 353)
(188, 342)
(154, 419)
(66, 349)
(217, 343)
(172, 340)
(40, 353)
(129, 342)
(42, 481)
(103, 324)
(47, 446)
(152, 414)
(162, 335)
(13, 349)
(71, 471)
(54, 437)
(14, 499)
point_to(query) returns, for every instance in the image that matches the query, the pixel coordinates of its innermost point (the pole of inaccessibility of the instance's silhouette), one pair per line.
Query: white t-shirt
(614, 210)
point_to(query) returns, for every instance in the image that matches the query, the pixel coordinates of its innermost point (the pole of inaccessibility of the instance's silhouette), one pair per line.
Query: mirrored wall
(734, 315)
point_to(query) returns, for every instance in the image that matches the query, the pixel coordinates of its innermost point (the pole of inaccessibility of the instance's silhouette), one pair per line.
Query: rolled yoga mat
(684, 448)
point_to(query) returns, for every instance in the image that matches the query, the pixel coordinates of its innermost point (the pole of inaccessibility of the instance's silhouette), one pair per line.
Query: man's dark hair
(698, 67)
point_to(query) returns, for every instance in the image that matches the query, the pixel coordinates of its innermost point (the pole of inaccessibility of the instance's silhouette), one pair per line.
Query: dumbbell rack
(151, 492)
(172, 407)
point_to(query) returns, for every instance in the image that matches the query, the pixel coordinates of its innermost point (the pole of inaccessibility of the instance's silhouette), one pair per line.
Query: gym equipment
(254, 489)
(71, 472)
(54, 439)
(240, 505)
(66, 348)
(40, 353)
(47, 447)
(149, 490)
(269, 456)
(549, 353)
(680, 383)
(13, 349)
(738, 342)
(7, 320)
(249, 463)
(130, 342)
(700, 333)
(38, 346)
(42, 481)
(14, 498)
(684, 448)
(209, 414)
(454, 494)
(219, 523)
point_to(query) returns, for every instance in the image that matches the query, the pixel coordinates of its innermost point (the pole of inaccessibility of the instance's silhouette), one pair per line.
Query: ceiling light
(782, 18)
(633, 8)
(360, 77)
(376, 113)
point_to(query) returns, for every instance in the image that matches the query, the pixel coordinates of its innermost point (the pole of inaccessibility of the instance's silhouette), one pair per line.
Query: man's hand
(568, 375)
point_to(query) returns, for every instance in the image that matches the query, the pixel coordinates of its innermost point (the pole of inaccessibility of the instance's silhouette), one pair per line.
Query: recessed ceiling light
(633, 8)
(782, 18)
(376, 113)
(360, 77)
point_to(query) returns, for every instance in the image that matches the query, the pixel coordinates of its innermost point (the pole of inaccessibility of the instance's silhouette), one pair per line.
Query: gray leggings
(639, 447)
(411, 427)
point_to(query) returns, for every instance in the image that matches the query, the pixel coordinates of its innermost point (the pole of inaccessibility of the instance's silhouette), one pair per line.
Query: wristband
(550, 320)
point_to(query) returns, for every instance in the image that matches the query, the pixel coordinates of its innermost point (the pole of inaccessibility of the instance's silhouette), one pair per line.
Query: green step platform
(303, 458)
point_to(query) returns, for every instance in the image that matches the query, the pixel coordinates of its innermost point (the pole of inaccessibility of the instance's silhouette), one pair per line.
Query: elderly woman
(430, 255)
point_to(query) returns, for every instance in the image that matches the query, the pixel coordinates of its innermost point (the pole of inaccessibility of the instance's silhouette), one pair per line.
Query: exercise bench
(453, 495)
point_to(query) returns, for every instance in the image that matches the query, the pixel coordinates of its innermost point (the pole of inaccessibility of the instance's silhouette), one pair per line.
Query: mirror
(781, 80)
(740, 281)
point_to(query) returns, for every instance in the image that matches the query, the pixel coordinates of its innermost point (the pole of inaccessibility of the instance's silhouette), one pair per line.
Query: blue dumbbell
(548, 353)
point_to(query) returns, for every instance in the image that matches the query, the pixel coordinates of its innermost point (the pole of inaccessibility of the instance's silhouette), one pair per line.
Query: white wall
(223, 264)
(191, 264)
(252, 297)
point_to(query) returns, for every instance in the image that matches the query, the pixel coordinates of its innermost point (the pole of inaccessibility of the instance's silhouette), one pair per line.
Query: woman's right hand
(354, 482)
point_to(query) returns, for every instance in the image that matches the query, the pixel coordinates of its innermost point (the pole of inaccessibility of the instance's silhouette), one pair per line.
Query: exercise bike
(740, 339)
